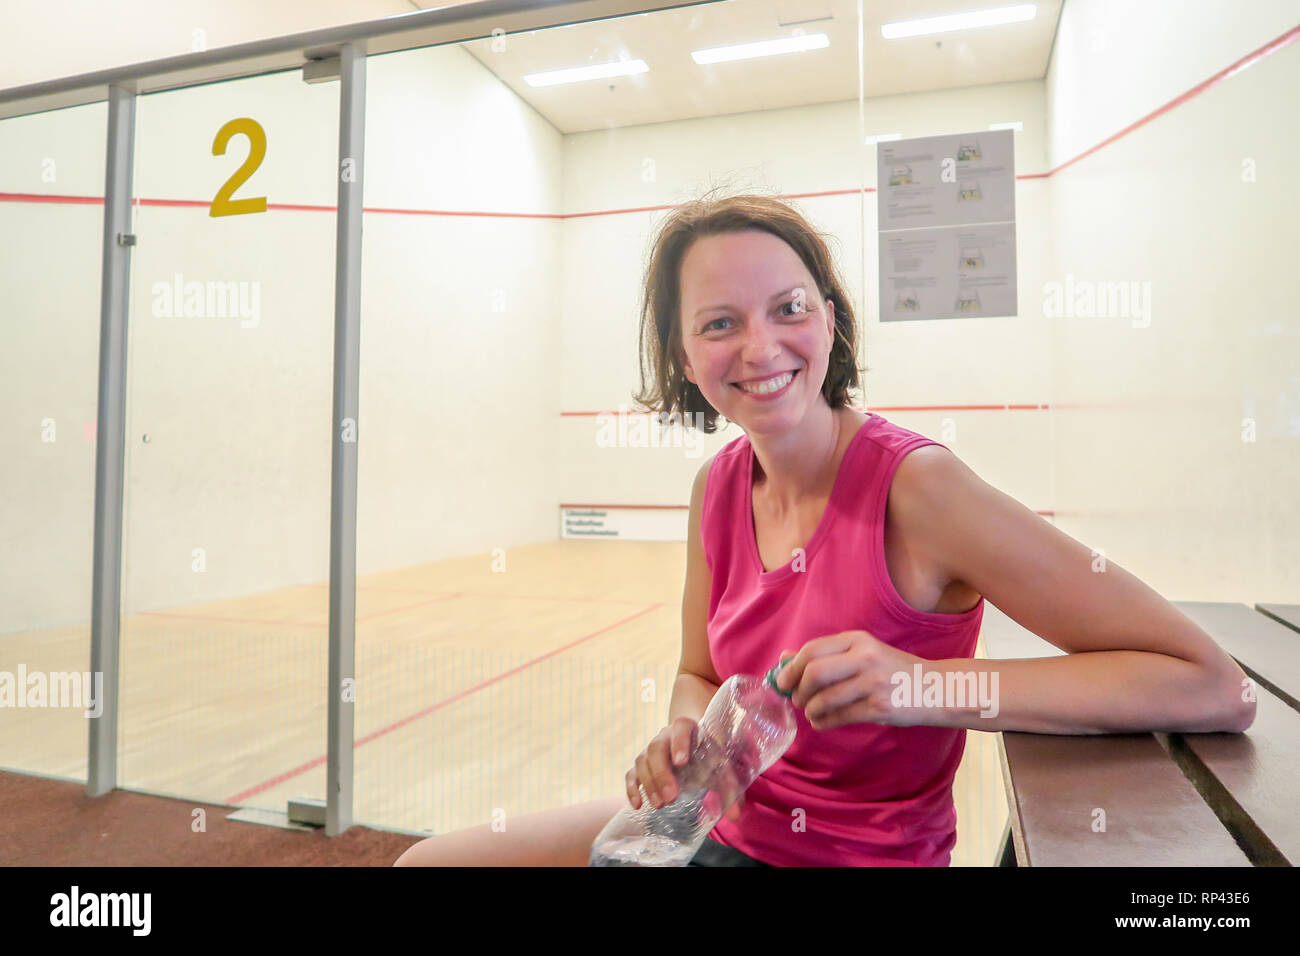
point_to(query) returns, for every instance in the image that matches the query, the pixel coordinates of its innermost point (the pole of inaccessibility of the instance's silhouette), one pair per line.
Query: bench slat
(1269, 651)
(1153, 814)
(1252, 779)
(1056, 782)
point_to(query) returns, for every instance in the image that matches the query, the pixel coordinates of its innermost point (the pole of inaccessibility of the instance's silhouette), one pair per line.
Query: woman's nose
(759, 344)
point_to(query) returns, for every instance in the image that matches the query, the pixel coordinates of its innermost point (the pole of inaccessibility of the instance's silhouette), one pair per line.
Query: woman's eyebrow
(779, 295)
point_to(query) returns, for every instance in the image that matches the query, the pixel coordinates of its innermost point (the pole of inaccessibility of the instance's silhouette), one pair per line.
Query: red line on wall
(375, 735)
(53, 200)
(1026, 406)
(686, 507)
(1250, 59)
(638, 507)
(452, 212)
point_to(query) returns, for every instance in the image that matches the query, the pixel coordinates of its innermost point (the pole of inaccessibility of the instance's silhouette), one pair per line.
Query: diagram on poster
(948, 273)
(946, 208)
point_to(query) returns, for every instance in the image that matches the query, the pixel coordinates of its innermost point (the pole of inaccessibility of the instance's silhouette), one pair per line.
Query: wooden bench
(1157, 799)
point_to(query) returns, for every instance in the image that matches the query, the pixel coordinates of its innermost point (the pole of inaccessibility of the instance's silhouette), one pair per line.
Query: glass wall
(521, 527)
(502, 671)
(51, 213)
(226, 534)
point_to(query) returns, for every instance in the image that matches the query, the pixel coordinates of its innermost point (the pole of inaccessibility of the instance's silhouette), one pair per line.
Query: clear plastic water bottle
(748, 725)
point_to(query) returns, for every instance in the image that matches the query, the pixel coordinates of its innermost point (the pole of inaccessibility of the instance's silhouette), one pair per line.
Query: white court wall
(1178, 431)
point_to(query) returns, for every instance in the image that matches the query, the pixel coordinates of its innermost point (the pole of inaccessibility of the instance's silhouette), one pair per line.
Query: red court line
(317, 624)
(228, 620)
(489, 594)
(406, 607)
(375, 735)
(548, 597)
(497, 597)
(1250, 59)
(639, 507)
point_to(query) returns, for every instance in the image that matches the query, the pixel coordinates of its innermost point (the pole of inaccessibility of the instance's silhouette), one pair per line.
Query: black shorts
(713, 853)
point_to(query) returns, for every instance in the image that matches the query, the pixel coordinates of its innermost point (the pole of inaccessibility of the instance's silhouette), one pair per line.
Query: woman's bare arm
(1134, 663)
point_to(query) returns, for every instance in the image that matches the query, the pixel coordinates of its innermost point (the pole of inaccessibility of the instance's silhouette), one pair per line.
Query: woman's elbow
(1245, 716)
(1238, 708)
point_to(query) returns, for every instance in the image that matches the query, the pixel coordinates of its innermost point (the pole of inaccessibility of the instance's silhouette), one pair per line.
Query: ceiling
(677, 88)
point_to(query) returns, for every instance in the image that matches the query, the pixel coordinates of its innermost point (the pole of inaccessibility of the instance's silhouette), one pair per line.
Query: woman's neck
(800, 464)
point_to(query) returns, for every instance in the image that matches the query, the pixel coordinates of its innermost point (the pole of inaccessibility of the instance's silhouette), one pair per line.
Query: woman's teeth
(771, 385)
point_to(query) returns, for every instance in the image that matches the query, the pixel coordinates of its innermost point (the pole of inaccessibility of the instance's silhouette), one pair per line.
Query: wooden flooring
(478, 692)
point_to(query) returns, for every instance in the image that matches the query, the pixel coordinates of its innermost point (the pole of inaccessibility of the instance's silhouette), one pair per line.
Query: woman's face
(751, 315)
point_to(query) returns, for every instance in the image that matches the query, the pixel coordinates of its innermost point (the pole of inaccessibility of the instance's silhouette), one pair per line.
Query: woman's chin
(764, 421)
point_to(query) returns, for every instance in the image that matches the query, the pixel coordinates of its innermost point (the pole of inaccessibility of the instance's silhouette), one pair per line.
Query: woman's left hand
(847, 678)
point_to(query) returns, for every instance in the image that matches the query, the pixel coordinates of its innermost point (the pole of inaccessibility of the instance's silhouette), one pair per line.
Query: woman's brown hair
(664, 386)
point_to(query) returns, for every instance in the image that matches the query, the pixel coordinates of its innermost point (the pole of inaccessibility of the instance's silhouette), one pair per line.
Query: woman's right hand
(672, 747)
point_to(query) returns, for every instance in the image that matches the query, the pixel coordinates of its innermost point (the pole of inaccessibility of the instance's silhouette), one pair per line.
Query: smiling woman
(745, 317)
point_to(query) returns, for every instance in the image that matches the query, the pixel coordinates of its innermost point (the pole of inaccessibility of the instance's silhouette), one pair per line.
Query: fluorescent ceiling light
(744, 51)
(577, 74)
(959, 21)
(883, 138)
(1016, 125)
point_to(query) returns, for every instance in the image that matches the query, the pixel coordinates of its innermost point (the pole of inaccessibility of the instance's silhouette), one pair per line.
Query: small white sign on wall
(626, 523)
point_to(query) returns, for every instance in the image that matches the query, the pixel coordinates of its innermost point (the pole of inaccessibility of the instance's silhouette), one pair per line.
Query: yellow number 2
(222, 204)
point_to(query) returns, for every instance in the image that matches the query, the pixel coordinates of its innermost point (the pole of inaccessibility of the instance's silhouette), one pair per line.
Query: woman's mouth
(769, 388)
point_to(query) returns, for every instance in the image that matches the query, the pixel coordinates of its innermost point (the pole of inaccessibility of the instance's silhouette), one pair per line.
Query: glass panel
(226, 551)
(51, 215)
(503, 668)
(979, 385)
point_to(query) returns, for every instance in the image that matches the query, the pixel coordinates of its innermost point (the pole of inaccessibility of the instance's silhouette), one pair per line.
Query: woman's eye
(801, 308)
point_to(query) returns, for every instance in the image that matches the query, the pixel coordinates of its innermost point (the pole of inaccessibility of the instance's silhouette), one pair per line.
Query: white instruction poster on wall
(946, 207)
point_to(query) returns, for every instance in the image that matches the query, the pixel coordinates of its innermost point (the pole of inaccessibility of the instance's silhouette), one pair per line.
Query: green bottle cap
(771, 678)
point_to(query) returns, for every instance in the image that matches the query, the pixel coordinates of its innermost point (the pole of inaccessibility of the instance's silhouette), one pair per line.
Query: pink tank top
(859, 794)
